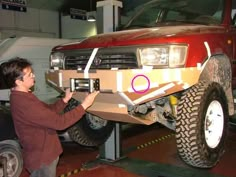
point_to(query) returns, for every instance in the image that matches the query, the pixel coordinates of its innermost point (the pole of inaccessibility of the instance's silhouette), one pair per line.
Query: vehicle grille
(102, 61)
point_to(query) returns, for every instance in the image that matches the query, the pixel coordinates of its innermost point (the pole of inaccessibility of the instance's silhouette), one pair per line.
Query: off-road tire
(84, 133)
(14, 159)
(191, 126)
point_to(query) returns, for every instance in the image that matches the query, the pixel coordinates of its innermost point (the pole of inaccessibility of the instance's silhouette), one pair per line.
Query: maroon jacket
(36, 124)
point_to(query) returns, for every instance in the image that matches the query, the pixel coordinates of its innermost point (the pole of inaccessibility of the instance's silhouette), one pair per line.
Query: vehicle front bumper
(122, 88)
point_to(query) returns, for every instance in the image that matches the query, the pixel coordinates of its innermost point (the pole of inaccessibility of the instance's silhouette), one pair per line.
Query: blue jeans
(46, 170)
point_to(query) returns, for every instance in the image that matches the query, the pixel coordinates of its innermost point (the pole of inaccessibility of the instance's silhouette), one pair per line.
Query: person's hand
(68, 95)
(89, 99)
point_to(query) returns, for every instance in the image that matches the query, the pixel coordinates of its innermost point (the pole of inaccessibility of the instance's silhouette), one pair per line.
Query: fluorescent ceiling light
(91, 18)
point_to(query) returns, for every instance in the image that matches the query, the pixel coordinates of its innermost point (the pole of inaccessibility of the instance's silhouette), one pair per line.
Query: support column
(108, 19)
(111, 149)
(108, 15)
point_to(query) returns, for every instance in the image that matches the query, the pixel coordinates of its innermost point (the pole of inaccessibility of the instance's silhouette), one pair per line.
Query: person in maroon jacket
(36, 123)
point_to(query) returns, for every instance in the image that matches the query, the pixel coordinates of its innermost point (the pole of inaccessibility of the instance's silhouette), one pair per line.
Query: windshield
(170, 12)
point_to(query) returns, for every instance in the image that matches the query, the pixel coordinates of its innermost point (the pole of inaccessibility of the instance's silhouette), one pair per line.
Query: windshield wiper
(136, 26)
(169, 22)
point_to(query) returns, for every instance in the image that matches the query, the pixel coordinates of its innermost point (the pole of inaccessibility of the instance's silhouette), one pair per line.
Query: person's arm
(47, 118)
(88, 101)
(40, 115)
(60, 104)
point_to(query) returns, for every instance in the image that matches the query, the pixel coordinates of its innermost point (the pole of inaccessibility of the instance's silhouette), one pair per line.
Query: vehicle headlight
(169, 55)
(56, 60)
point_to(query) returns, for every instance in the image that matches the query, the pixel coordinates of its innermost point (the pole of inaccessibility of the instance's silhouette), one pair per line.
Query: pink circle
(132, 84)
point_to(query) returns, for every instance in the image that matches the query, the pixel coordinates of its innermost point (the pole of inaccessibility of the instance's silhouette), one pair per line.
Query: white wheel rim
(12, 163)
(95, 122)
(214, 124)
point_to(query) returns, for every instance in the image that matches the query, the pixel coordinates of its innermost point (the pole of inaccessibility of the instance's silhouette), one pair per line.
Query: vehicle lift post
(108, 19)
(110, 151)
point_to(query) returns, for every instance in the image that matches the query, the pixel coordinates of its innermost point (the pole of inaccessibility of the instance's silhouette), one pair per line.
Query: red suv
(173, 63)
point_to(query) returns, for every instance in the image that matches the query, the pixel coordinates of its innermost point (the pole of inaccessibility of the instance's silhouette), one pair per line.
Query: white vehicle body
(37, 51)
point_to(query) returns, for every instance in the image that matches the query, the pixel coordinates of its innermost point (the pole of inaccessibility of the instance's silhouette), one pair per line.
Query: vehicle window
(147, 18)
(159, 12)
(175, 15)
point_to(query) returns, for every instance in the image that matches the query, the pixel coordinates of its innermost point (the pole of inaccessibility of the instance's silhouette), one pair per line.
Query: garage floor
(148, 151)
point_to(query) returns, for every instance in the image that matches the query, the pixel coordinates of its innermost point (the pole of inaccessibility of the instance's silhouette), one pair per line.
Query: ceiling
(88, 5)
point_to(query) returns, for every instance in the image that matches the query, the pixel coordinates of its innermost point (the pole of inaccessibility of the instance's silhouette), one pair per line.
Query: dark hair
(13, 70)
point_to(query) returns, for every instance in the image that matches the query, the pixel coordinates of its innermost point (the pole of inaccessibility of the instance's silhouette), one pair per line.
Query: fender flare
(217, 68)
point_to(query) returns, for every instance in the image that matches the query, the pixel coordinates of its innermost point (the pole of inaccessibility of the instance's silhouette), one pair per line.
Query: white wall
(45, 23)
(74, 28)
(34, 22)
(42, 23)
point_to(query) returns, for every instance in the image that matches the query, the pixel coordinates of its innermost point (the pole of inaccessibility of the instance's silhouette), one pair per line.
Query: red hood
(138, 37)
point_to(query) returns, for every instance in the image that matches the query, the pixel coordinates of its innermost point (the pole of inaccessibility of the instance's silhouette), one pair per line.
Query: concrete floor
(148, 151)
